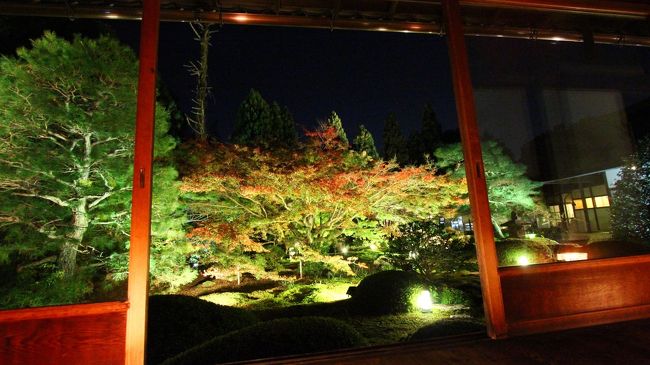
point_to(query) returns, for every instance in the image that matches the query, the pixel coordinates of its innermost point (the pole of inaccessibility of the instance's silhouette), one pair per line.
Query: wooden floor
(622, 343)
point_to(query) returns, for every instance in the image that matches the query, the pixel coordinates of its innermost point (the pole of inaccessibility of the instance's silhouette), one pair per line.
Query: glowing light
(633, 168)
(557, 39)
(382, 29)
(240, 18)
(423, 301)
(530, 236)
(344, 250)
(109, 15)
(415, 27)
(523, 260)
(572, 256)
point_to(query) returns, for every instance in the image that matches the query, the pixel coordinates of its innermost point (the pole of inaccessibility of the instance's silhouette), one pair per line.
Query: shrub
(536, 250)
(278, 337)
(298, 294)
(431, 248)
(447, 327)
(316, 269)
(450, 296)
(177, 323)
(387, 292)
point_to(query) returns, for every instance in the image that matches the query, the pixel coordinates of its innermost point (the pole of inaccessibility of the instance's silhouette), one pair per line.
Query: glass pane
(564, 135)
(315, 193)
(67, 124)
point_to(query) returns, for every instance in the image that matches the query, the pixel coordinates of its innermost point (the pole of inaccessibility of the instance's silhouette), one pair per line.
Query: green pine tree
(630, 212)
(431, 132)
(283, 133)
(254, 121)
(423, 144)
(415, 148)
(67, 131)
(509, 189)
(364, 142)
(394, 142)
(335, 121)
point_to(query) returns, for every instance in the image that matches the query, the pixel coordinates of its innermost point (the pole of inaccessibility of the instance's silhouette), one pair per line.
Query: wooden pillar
(136, 323)
(483, 231)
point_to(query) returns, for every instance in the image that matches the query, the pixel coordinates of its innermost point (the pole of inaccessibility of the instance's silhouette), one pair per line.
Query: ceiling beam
(325, 22)
(597, 7)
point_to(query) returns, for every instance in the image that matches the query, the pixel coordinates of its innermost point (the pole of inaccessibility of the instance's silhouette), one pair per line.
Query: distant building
(581, 203)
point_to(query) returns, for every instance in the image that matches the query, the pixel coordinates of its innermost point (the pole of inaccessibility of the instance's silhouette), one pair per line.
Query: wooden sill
(62, 311)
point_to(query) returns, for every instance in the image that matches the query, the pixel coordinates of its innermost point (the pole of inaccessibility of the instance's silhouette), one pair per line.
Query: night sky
(363, 76)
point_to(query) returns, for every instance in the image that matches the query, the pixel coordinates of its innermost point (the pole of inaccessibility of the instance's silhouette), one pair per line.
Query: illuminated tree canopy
(509, 189)
(67, 132)
(314, 197)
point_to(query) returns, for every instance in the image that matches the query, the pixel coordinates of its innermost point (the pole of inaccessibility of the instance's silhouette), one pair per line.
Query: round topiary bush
(447, 327)
(387, 292)
(511, 251)
(177, 323)
(279, 337)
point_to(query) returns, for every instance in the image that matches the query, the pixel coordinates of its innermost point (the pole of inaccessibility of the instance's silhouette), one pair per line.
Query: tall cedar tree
(259, 124)
(253, 123)
(423, 144)
(631, 197)
(364, 142)
(509, 189)
(335, 122)
(67, 132)
(284, 134)
(394, 142)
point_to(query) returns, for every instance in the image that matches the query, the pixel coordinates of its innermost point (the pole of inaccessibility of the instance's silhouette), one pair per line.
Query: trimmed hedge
(280, 337)
(387, 292)
(177, 323)
(447, 327)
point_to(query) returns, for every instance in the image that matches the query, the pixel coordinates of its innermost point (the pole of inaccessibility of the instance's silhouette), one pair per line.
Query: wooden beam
(142, 179)
(552, 297)
(62, 311)
(77, 334)
(483, 233)
(333, 22)
(596, 7)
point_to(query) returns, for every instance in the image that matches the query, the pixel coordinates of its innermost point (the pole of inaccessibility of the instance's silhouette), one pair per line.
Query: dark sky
(363, 76)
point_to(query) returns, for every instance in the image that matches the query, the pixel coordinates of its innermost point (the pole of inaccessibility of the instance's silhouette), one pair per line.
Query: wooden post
(483, 231)
(136, 323)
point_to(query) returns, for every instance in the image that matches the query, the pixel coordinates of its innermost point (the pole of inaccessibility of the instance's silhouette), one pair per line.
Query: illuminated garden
(304, 238)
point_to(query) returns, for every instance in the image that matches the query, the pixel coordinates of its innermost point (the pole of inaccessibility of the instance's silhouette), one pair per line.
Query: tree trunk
(222, 286)
(497, 229)
(68, 255)
(68, 259)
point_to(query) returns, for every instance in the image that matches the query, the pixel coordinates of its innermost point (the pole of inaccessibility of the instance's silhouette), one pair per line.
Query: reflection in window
(572, 120)
(602, 201)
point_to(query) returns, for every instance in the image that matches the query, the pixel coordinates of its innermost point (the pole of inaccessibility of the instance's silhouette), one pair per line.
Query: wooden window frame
(520, 313)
